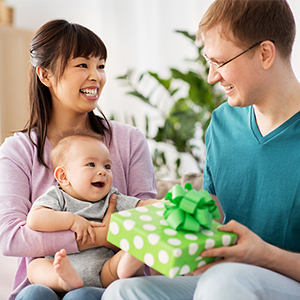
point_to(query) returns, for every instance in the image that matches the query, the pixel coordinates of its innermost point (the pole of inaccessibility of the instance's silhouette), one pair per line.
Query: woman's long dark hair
(52, 46)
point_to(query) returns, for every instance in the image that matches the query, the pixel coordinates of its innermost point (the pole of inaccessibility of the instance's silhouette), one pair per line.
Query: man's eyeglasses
(228, 61)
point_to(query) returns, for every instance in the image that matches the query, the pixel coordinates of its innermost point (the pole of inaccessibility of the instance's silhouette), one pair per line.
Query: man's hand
(250, 248)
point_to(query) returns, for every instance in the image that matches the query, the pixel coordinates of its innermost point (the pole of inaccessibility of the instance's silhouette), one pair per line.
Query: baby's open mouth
(98, 184)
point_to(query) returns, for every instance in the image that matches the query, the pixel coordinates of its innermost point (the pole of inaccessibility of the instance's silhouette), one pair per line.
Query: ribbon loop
(189, 209)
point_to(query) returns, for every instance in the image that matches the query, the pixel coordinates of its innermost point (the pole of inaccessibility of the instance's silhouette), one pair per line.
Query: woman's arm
(142, 181)
(23, 179)
(17, 239)
(132, 164)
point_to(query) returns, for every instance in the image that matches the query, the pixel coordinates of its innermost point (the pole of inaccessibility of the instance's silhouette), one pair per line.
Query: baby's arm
(41, 218)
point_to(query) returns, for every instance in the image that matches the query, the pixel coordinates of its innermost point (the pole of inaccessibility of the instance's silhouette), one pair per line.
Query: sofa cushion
(164, 185)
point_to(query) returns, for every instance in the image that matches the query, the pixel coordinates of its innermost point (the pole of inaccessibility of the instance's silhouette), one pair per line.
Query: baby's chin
(97, 196)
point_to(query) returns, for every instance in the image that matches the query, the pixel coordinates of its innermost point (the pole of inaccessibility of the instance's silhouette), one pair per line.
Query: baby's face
(89, 170)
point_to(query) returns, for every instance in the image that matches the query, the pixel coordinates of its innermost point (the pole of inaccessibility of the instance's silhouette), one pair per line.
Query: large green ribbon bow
(189, 209)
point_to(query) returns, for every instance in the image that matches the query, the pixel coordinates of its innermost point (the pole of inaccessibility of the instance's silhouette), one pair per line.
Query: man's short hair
(252, 21)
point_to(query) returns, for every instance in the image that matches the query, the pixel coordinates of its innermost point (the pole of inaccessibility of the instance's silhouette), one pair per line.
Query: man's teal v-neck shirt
(256, 178)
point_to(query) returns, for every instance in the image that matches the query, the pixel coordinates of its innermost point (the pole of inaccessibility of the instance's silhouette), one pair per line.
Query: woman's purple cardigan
(23, 179)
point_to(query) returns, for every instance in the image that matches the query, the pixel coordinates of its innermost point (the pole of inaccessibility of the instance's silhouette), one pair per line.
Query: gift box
(146, 234)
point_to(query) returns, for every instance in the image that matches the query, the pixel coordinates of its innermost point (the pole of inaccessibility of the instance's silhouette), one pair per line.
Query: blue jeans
(41, 292)
(227, 281)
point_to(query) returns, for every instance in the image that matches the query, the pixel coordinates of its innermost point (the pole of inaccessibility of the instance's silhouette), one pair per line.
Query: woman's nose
(214, 75)
(95, 75)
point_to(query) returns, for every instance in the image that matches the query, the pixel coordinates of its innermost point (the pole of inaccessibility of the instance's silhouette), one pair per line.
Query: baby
(83, 170)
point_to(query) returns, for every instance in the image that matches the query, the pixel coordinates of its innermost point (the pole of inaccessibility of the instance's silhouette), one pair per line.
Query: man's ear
(43, 75)
(61, 176)
(268, 51)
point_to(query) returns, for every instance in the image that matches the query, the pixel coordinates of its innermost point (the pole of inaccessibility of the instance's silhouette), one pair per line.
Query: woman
(66, 79)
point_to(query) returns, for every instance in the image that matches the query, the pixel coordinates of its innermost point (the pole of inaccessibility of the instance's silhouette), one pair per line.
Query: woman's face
(80, 86)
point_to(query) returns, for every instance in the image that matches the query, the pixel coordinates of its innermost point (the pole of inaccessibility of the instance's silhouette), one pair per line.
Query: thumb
(232, 226)
(224, 227)
(112, 204)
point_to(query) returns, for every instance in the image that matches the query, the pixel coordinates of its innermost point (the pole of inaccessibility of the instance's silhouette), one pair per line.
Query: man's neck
(282, 103)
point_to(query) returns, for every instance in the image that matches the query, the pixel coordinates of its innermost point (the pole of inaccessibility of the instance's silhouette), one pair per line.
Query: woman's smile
(89, 92)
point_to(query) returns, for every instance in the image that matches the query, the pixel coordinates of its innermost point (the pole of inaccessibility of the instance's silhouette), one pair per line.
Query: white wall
(138, 33)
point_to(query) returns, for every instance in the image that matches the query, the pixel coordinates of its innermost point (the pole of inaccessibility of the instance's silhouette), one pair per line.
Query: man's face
(240, 78)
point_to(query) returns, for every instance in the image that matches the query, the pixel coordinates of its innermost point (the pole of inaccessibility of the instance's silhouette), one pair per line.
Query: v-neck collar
(263, 139)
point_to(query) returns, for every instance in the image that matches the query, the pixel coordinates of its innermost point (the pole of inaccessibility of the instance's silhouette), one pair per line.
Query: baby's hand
(84, 228)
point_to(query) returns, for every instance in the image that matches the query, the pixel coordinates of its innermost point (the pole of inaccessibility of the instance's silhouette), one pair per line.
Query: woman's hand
(106, 220)
(147, 202)
(101, 232)
(250, 248)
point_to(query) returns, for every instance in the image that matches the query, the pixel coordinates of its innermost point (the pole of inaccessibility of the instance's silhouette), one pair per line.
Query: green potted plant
(191, 101)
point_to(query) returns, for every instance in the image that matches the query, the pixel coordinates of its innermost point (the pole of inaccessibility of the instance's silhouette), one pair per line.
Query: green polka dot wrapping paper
(146, 235)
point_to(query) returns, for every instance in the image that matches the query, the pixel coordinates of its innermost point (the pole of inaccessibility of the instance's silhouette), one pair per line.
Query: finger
(216, 252)
(79, 236)
(84, 237)
(97, 224)
(220, 252)
(204, 268)
(112, 204)
(207, 266)
(92, 234)
(233, 226)
(111, 207)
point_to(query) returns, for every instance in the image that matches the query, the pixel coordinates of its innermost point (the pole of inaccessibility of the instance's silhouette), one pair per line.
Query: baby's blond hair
(64, 141)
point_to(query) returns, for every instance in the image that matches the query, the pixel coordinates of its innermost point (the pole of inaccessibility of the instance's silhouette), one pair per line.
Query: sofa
(163, 186)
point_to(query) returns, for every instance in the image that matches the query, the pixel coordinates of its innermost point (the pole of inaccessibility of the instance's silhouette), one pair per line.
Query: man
(252, 161)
